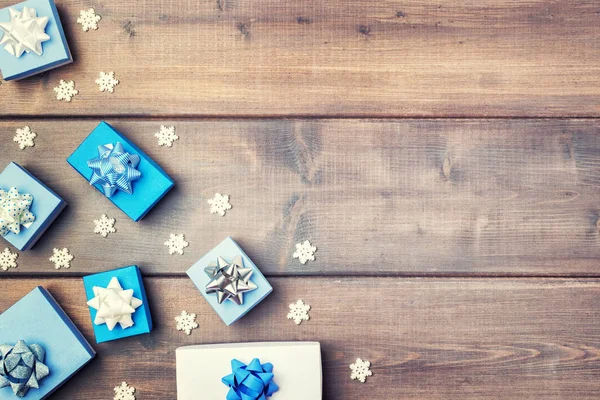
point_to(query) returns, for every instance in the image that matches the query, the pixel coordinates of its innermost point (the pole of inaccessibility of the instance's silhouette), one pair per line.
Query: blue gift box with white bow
(121, 171)
(32, 39)
(27, 207)
(40, 347)
(229, 280)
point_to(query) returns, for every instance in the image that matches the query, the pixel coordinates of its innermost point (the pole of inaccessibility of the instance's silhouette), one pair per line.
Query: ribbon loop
(114, 169)
(250, 382)
(14, 211)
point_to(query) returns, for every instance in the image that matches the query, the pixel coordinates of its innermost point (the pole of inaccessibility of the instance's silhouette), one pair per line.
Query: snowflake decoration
(24, 136)
(8, 259)
(305, 252)
(186, 322)
(88, 19)
(124, 392)
(219, 204)
(176, 243)
(104, 225)
(360, 370)
(65, 90)
(299, 312)
(166, 136)
(107, 82)
(61, 258)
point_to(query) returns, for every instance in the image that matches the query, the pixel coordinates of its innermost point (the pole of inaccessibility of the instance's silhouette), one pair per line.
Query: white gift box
(296, 369)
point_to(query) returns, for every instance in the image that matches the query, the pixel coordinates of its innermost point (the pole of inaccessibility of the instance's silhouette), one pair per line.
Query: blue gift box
(46, 204)
(147, 190)
(55, 52)
(37, 318)
(129, 278)
(228, 310)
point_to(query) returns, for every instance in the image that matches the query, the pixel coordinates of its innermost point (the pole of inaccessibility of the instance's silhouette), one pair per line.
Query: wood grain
(328, 58)
(432, 339)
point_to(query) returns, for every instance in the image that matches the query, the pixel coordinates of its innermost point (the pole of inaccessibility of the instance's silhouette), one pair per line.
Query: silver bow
(229, 280)
(22, 367)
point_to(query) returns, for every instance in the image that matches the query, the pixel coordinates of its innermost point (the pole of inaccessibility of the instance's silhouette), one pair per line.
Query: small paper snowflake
(360, 370)
(24, 136)
(124, 392)
(61, 258)
(176, 243)
(107, 82)
(88, 19)
(299, 312)
(8, 259)
(166, 136)
(305, 252)
(104, 225)
(65, 90)
(186, 322)
(219, 204)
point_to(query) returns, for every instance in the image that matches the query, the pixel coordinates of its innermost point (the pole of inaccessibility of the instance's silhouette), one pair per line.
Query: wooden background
(444, 157)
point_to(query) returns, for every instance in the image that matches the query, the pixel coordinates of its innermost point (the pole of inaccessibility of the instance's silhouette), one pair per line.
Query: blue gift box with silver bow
(27, 207)
(121, 171)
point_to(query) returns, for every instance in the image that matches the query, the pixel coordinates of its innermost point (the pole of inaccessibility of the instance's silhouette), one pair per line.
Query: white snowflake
(166, 136)
(61, 258)
(219, 204)
(8, 259)
(88, 19)
(107, 82)
(104, 225)
(65, 90)
(360, 370)
(124, 392)
(24, 136)
(176, 243)
(305, 252)
(186, 322)
(299, 312)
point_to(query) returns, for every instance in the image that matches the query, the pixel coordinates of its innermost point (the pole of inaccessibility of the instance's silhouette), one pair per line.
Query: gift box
(45, 206)
(45, 50)
(50, 346)
(229, 281)
(116, 166)
(220, 371)
(118, 304)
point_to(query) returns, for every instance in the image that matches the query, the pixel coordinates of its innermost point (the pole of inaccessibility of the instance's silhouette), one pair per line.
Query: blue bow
(250, 382)
(114, 168)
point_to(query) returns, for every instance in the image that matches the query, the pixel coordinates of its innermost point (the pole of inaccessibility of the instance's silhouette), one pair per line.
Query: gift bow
(114, 168)
(22, 367)
(250, 382)
(14, 211)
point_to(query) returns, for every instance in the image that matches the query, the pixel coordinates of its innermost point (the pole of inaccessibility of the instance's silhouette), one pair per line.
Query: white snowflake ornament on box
(219, 204)
(176, 243)
(88, 19)
(186, 322)
(61, 258)
(104, 225)
(166, 136)
(360, 370)
(124, 392)
(24, 137)
(8, 259)
(107, 82)
(65, 90)
(299, 312)
(305, 252)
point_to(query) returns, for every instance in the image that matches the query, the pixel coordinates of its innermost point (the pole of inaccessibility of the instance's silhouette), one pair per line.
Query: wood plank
(432, 339)
(340, 58)
(405, 197)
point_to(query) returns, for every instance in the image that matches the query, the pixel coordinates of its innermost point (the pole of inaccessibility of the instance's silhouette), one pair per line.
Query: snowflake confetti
(61, 258)
(8, 259)
(305, 252)
(88, 19)
(104, 225)
(360, 370)
(219, 204)
(124, 392)
(24, 137)
(186, 322)
(107, 82)
(299, 312)
(166, 136)
(65, 90)
(176, 243)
